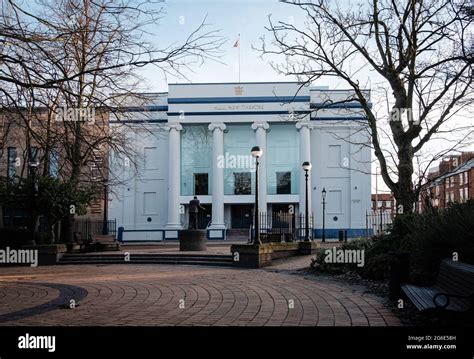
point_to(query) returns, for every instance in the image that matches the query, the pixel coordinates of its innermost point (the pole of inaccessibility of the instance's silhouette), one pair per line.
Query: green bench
(453, 290)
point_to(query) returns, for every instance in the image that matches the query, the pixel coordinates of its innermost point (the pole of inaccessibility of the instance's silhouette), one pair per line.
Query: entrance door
(204, 216)
(242, 215)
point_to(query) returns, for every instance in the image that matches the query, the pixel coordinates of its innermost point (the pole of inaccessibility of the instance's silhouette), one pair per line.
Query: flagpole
(239, 58)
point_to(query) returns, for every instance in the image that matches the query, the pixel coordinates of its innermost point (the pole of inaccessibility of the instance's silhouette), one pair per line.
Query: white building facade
(196, 140)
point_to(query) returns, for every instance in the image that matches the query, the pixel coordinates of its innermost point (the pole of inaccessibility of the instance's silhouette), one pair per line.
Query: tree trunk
(404, 192)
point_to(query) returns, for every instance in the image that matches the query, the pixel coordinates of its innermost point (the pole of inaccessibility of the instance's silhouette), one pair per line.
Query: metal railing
(377, 222)
(87, 227)
(284, 225)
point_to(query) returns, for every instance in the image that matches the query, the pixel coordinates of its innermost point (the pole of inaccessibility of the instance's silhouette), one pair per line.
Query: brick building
(41, 140)
(384, 202)
(451, 181)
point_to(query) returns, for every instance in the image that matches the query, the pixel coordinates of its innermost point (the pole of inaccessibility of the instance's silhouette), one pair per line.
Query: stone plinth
(257, 256)
(252, 256)
(308, 247)
(193, 240)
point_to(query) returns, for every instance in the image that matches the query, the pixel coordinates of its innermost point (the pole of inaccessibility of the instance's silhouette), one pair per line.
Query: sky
(233, 17)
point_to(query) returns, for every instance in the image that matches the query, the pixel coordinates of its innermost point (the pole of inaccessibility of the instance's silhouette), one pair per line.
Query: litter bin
(343, 236)
(399, 272)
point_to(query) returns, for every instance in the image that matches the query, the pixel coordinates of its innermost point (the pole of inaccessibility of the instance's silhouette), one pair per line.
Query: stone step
(149, 261)
(148, 256)
(189, 259)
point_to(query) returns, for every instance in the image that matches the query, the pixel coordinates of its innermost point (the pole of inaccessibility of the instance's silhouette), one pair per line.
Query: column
(174, 180)
(217, 175)
(261, 139)
(305, 128)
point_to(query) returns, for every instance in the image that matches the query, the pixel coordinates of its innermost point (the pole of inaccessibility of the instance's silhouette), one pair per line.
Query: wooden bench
(84, 244)
(105, 242)
(453, 290)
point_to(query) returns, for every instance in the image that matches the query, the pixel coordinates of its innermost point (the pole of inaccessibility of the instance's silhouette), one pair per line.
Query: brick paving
(165, 295)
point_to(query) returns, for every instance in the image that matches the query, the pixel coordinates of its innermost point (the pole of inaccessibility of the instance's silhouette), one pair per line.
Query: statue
(194, 206)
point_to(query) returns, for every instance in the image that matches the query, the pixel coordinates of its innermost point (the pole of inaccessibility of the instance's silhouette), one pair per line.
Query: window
(461, 178)
(54, 163)
(149, 203)
(466, 177)
(334, 201)
(151, 158)
(242, 183)
(334, 159)
(201, 184)
(437, 190)
(388, 204)
(33, 156)
(451, 181)
(11, 169)
(449, 197)
(283, 182)
(94, 166)
(461, 195)
(379, 204)
(466, 193)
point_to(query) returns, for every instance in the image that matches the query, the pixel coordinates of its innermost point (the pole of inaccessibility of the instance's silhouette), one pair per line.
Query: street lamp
(306, 167)
(32, 167)
(256, 152)
(105, 224)
(323, 193)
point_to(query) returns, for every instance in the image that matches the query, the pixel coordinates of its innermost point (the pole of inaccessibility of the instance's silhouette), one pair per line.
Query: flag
(237, 43)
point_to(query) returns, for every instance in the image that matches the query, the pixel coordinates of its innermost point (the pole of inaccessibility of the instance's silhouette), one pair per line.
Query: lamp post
(323, 193)
(256, 152)
(105, 224)
(306, 167)
(32, 166)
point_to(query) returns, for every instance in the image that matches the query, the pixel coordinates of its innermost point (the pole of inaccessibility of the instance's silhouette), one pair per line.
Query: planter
(48, 254)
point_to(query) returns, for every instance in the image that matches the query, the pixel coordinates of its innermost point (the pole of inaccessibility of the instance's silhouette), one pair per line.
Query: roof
(460, 169)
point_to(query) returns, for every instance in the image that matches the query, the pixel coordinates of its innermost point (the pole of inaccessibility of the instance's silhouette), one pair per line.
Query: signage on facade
(239, 107)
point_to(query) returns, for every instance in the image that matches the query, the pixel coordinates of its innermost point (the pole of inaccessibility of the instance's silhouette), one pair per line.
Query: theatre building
(196, 140)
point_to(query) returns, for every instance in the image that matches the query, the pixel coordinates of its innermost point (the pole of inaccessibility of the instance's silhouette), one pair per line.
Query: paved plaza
(170, 295)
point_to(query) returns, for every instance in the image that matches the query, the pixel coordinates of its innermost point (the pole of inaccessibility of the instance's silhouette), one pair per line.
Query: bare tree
(80, 55)
(419, 53)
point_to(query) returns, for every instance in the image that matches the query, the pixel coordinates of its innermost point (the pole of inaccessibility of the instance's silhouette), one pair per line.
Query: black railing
(283, 226)
(88, 227)
(377, 222)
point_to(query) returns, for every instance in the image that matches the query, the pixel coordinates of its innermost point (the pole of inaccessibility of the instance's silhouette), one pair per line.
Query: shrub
(320, 263)
(427, 237)
(438, 235)
(14, 237)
